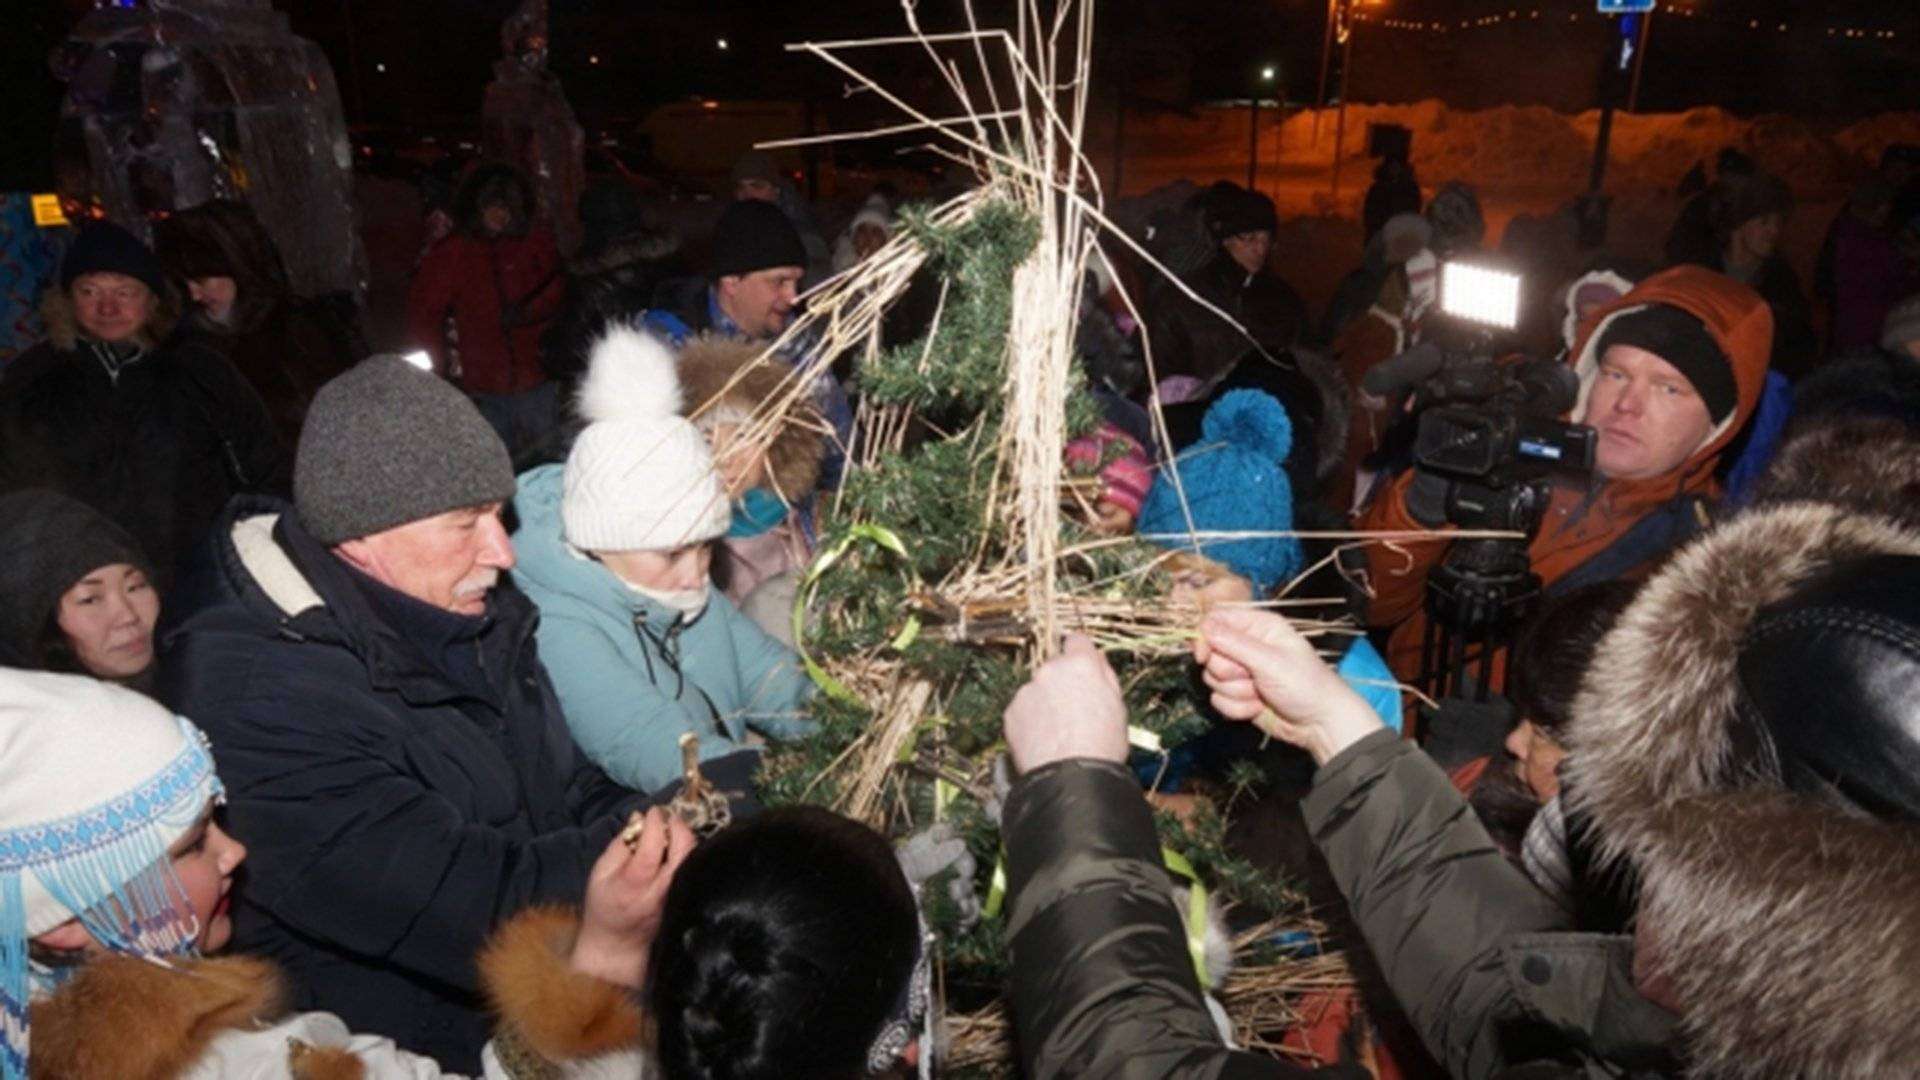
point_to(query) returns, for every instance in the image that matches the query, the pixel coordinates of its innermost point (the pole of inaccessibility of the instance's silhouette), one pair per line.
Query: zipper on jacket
(669, 647)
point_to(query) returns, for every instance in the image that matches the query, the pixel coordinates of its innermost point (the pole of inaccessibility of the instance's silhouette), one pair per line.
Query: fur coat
(128, 1019)
(1789, 929)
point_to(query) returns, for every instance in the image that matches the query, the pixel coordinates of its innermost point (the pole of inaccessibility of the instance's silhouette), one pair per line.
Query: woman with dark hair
(243, 306)
(790, 946)
(1549, 659)
(76, 594)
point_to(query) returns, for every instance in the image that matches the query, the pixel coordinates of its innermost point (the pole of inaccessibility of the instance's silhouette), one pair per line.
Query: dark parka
(158, 446)
(285, 345)
(1103, 984)
(393, 815)
(1188, 339)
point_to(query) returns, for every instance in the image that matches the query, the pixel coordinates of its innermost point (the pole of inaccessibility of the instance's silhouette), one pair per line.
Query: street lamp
(1267, 74)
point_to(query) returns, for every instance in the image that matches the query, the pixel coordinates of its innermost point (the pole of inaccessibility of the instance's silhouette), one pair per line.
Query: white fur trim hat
(640, 477)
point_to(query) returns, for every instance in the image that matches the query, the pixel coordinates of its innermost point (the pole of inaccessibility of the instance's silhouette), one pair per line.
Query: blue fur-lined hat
(96, 785)
(1234, 482)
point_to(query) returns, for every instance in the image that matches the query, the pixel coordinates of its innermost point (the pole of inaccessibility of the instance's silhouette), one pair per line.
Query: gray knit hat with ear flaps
(387, 443)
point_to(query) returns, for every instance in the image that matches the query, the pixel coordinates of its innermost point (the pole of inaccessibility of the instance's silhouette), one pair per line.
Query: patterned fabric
(28, 259)
(107, 864)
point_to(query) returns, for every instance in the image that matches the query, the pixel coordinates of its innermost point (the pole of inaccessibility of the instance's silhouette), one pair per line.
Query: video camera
(1490, 425)
(1492, 428)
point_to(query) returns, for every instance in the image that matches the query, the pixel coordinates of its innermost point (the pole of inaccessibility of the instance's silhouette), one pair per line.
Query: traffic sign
(1625, 7)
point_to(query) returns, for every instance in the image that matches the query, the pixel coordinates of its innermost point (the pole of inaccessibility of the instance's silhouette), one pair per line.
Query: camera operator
(1667, 376)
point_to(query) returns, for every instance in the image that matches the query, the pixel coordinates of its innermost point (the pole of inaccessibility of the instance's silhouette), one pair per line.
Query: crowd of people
(353, 702)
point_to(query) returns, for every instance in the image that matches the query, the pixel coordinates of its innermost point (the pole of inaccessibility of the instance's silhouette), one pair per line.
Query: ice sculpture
(173, 102)
(527, 122)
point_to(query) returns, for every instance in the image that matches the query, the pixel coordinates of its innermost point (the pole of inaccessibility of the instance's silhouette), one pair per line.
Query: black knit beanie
(1681, 340)
(386, 443)
(1232, 210)
(754, 235)
(106, 248)
(51, 541)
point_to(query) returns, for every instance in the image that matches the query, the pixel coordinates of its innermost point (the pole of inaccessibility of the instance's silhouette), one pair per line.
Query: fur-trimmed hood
(1737, 319)
(1789, 928)
(122, 1016)
(726, 374)
(129, 1019)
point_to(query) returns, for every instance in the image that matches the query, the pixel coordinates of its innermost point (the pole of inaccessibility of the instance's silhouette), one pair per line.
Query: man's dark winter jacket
(294, 349)
(1103, 984)
(1188, 339)
(398, 798)
(159, 446)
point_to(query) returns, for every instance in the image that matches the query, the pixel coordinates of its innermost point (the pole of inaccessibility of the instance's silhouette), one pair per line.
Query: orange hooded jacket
(1580, 523)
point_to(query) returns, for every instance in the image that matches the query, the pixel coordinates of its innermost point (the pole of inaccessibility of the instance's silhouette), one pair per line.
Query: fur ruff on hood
(129, 1019)
(122, 1016)
(726, 374)
(63, 326)
(1789, 930)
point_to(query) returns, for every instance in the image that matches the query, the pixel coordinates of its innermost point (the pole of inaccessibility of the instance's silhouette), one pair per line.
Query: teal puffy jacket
(633, 675)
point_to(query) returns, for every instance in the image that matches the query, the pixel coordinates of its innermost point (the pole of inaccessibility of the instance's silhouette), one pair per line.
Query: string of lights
(1455, 26)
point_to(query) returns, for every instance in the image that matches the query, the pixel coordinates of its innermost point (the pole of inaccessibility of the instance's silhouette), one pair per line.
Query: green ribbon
(878, 535)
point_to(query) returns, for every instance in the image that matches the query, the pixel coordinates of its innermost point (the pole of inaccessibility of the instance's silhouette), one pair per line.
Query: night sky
(437, 54)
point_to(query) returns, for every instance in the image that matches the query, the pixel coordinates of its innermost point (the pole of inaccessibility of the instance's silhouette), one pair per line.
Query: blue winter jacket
(633, 675)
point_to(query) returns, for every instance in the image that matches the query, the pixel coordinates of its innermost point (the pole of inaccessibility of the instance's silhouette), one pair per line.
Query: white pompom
(630, 376)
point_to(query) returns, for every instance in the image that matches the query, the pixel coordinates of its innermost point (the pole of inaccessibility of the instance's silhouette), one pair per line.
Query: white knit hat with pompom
(640, 477)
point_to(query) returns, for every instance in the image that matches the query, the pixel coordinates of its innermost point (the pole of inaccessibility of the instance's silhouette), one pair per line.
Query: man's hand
(1071, 708)
(1260, 669)
(626, 893)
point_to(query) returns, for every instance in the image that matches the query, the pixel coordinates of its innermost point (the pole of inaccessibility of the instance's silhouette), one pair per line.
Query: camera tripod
(1482, 591)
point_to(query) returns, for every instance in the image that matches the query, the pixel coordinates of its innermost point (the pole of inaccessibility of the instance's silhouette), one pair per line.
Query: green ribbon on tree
(884, 538)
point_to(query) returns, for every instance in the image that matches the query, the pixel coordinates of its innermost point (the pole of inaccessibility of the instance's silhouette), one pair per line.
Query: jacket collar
(282, 575)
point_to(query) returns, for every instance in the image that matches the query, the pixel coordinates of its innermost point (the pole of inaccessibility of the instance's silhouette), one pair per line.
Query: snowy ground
(1523, 160)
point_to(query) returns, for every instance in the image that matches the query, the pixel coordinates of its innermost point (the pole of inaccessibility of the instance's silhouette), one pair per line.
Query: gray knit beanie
(387, 443)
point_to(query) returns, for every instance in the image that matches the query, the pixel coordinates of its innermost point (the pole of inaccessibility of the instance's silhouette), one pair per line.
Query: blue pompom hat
(1234, 482)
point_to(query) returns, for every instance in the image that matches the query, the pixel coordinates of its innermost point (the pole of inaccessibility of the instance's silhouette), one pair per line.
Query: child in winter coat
(1234, 482)
(615, 547)
(769, 488)
(114, 881)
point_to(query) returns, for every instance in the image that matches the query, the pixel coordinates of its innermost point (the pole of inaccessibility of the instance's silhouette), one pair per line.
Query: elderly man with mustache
(394, 755)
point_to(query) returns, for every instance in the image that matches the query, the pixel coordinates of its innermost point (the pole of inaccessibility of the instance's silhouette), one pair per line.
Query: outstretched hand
(1071, 708)
(626, 894)
(1260, 669)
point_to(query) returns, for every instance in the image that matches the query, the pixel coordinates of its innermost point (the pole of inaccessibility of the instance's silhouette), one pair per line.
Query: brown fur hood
(1791, 931)
(125, 1018)
(720, 372)
(63, 327)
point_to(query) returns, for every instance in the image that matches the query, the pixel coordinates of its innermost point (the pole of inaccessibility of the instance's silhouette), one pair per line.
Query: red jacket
(1572, 533)
(501, 292)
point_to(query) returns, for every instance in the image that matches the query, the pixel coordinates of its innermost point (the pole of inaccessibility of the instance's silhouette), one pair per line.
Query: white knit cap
(640, 477)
